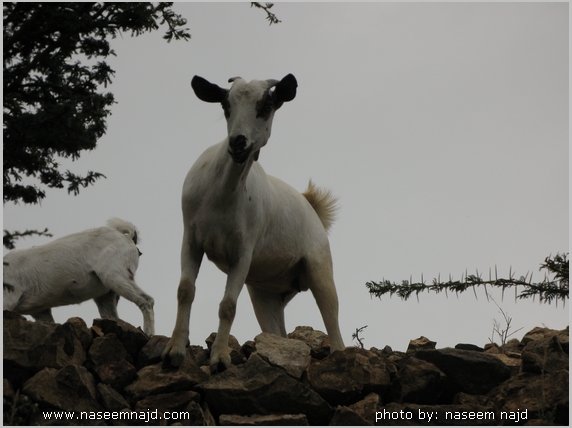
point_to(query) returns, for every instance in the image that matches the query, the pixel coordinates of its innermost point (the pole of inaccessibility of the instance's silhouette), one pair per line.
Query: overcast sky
(442, 128)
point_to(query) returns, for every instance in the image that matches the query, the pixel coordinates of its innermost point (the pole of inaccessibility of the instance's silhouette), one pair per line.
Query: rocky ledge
(112, 374)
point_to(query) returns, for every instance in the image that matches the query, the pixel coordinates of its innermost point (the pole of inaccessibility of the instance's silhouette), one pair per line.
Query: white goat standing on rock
(254, 227)
(96, 264)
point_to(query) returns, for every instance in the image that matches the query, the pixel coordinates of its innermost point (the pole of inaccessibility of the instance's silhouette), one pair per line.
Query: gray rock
(467, 371)
(111, 399)
(346, 376)
(420, 343)
(290, 354)
(367, 407)
(259, 388)
(544, 356)
(151, 352)
(469, 347)
(36, 345)
(318, 341)
(344, 416)
(71, 388)
(418, 381)
(540, 395)
(117, 374)
(132, 338)
(153, 379)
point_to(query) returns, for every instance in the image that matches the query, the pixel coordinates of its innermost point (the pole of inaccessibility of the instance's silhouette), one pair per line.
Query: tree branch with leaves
(54, 105)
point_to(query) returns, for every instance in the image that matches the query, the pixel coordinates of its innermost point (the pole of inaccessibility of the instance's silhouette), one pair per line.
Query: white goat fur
(254, 227)
(97, 264)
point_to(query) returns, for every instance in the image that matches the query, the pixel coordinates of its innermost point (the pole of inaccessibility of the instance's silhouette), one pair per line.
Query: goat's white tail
(323, 202)
(124, 227)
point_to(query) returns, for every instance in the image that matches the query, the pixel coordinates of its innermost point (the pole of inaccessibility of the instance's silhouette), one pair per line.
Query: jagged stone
(367, 407)
(318, 341)
(36, 345)
(151, 352)
(290, 354)
(469, 347)
(544, 356)
(153, 379)
(537, 333)
(259, 388)
(82, 332)
(345, 376)
(112, 400)
(420, 343)
(108, 349)
(539, 394)
(117, 374)
(96, 331)
(111, 362)
(492, 348)
(236, 355)
(263, 420)
(386, 352)
(133, 339)
(418, 381)
(511, 361)
(248, 348)
(71, 388)
(467, 371)
(344, 416)
(199, 355)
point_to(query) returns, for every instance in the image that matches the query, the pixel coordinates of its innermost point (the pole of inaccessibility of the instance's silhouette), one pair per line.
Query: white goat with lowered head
(254, 227)
(96, 264)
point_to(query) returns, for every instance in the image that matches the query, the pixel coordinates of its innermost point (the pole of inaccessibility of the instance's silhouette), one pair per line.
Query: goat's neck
(232, 175)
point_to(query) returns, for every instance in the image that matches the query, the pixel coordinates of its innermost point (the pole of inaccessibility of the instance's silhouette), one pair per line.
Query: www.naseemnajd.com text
(142, 416)
(431, 416)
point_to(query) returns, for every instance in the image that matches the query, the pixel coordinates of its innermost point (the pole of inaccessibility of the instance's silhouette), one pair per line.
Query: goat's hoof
(220, 363)
(176, 359)
(172, 357)
(217, 367)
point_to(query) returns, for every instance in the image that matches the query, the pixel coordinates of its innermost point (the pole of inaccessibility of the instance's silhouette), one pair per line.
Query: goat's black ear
(207, 91)
(285, 90)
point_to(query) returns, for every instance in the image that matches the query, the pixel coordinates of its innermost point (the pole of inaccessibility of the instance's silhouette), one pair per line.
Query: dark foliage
(54, 75)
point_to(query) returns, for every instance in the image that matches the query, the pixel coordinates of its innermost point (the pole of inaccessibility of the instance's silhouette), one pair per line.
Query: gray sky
(443, 129)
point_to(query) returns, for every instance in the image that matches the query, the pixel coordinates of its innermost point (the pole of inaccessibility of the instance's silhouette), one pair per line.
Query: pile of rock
(112, 374)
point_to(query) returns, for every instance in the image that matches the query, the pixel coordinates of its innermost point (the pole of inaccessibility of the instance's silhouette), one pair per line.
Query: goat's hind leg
(269, 309)
(107, 304)
(319, 275)
(127, 288)
(44, 316)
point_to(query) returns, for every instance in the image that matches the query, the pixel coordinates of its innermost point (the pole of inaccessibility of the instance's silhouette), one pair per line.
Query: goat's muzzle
(238, 150)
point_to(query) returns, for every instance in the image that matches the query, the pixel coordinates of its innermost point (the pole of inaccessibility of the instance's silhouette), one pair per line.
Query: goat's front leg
(174, 352)
(44, 316)
(220, 355)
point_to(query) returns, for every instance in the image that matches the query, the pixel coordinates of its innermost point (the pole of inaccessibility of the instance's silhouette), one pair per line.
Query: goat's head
(249, 109)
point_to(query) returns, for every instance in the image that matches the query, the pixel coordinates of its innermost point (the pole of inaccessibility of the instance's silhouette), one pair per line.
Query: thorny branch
(547, 290)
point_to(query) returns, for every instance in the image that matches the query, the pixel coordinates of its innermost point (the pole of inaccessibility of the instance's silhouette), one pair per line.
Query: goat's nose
(238, 143)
